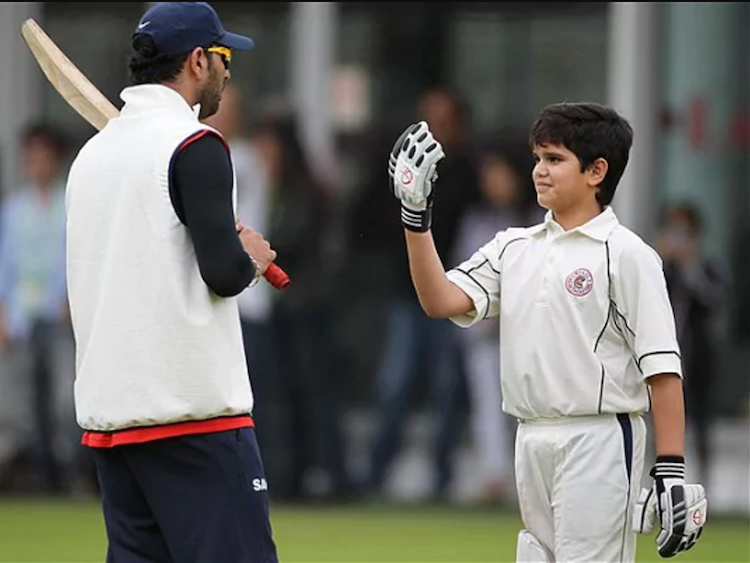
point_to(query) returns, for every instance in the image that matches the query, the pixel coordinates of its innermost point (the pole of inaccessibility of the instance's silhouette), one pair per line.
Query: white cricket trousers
(578, 480)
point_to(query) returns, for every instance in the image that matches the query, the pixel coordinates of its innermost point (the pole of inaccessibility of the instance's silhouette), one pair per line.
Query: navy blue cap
(179, 27)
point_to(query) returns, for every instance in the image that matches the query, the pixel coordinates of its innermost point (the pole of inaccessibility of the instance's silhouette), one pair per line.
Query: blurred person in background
(35, 333)
(414, 344)
(507, 200)
(299, 210)
(256, 305)
(697, 290)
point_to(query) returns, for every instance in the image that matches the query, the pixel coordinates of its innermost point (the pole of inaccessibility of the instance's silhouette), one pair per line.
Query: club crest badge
(580, 282)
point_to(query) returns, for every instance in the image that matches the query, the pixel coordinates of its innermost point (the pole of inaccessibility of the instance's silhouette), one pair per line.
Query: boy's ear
(597, 171)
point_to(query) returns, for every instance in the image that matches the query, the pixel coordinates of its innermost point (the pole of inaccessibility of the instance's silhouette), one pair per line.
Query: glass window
(263, 73)
(96, 37)
(509, 63)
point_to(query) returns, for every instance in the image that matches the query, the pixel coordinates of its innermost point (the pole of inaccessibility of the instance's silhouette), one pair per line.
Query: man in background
(697, 290)
(35, 335)
(415, 346)
(255, 306)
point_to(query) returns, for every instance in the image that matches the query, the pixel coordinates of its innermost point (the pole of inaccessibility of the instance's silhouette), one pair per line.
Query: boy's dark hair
(590, 131)
(148, 66)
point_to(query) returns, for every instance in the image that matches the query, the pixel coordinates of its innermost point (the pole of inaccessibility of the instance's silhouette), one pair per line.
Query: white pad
(531, 550)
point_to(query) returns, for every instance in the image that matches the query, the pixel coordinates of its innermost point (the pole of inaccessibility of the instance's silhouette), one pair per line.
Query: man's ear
(597, 171)
(197, 61)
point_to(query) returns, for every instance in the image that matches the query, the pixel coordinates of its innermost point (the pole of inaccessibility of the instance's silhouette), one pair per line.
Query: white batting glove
(412, 168)
(679, 509)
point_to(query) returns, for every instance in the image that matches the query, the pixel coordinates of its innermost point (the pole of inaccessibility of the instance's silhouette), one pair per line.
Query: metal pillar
(312, 52)
(633, 91)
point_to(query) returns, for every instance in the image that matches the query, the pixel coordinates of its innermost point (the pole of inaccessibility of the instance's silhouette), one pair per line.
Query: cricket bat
(88, 101)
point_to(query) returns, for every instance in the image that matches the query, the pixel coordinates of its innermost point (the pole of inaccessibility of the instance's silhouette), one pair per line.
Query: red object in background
(277, 277)
(697, 118)
(739, 130)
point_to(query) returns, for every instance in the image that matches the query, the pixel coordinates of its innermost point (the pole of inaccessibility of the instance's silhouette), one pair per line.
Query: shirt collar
(147, 97)
(598, 228)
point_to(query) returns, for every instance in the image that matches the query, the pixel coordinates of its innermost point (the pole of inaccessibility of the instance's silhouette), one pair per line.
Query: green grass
(44, 531)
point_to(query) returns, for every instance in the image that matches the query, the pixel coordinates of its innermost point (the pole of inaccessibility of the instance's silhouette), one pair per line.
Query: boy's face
(560, 185)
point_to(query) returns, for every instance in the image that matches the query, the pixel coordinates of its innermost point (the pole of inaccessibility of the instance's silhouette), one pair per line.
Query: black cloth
(201, 192)
(375, 220)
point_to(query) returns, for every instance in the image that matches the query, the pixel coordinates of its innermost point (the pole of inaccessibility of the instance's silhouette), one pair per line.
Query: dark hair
(510, 145)
(52, 136)
(296, 169)
(590, 131)
(459, 105)
(684, 210)
(148, 66)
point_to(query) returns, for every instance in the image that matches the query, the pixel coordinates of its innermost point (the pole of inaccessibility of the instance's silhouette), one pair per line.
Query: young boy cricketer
(587, 342)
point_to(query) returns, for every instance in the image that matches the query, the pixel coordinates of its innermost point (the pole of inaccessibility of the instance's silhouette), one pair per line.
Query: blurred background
(363, 403)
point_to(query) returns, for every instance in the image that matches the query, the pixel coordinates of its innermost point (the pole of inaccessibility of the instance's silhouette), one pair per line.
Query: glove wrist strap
(416, 221)
(669, 467)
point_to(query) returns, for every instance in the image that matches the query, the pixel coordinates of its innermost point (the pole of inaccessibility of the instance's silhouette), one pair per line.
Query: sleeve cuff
(475, 292)
(660, 362)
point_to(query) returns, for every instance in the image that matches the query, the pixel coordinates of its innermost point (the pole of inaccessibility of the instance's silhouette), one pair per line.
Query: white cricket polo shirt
(584, 316)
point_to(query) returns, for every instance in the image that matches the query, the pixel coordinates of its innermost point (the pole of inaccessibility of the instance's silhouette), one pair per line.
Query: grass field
(44, 531)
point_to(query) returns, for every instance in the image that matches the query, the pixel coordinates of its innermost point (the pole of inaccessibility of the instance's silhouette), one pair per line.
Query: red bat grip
(277, 277)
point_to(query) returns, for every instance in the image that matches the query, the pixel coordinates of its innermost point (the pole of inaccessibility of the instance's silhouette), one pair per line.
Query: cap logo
(579, 282)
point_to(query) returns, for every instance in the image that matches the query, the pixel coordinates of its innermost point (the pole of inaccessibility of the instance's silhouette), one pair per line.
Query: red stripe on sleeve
(199, 135)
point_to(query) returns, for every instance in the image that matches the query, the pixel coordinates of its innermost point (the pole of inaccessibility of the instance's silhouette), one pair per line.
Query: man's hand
(412, 168)
(679, 509)
(257, 247)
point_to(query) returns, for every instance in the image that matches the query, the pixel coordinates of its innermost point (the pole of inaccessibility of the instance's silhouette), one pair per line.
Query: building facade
(679, 71)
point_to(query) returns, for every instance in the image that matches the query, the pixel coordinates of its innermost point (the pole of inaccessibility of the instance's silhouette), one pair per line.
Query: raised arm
(413, 169)
(439, 297)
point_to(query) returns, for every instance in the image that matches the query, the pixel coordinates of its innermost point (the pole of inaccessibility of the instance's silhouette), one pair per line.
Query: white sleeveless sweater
(154, 345)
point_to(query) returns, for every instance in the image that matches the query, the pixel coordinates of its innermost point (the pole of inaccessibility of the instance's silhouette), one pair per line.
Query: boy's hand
(679, 509)
(412, 168)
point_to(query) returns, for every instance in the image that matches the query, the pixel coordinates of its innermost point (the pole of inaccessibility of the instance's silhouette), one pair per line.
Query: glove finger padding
(396, 150)
(645, 514)
(683, 515)
(412, 169)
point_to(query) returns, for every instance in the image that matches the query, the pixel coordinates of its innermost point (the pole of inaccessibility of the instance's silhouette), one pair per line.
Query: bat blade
(65, 77)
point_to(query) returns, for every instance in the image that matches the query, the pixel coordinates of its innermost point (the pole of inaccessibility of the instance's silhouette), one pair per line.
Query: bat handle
(277, 277)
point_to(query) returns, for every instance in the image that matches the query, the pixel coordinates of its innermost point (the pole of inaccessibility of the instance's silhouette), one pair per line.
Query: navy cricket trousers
(191, 499)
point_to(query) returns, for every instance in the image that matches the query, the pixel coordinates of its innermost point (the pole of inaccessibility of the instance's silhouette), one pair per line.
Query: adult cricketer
(155, 260)
(587, 340)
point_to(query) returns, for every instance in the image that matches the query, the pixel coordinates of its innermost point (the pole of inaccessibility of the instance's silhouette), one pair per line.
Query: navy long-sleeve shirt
(201, 192)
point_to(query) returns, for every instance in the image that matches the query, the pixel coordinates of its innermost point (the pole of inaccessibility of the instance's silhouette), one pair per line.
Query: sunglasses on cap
(224, 52)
